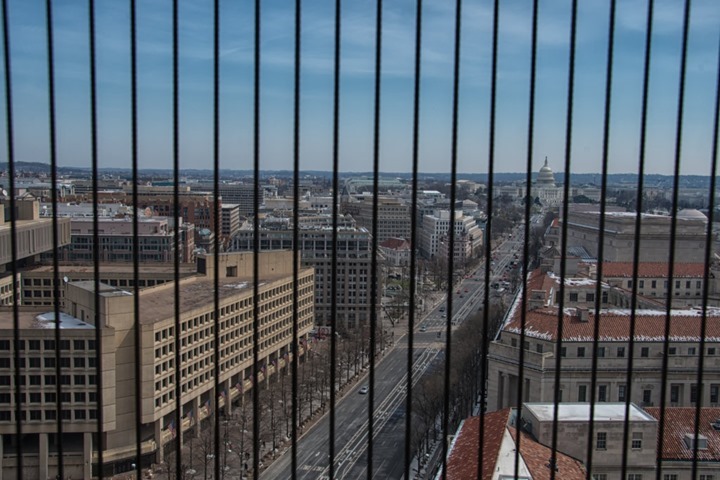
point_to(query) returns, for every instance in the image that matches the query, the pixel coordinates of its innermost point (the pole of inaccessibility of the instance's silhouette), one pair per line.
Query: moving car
(363, 390)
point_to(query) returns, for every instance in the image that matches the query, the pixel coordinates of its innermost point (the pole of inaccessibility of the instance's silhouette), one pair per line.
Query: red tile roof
(685, 325)
(463, 460)
(542, 323)
(396, 244)
(653, 270)
(680, 421)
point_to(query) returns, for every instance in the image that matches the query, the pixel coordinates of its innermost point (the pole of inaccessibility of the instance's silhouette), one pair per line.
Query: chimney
(537, 299)
(583, 314)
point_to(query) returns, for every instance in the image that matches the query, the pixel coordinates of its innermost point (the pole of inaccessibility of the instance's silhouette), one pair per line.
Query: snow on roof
(47, 320)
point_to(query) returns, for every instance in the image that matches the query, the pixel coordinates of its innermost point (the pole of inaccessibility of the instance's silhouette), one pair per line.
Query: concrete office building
(155, 237)
(435, 229)
(33, 236)
(576, 350)
(37, 282)
(393, 216)
(158, 342)
(241, 194)
(354, 257)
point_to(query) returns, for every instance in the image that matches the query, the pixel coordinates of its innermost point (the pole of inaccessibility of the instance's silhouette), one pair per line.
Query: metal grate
(356, 444)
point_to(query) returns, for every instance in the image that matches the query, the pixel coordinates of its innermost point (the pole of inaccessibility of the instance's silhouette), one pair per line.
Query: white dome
(691, 214)
(545, 176)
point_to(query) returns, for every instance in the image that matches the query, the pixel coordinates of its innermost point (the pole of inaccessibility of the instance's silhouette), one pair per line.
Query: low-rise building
(544, 340)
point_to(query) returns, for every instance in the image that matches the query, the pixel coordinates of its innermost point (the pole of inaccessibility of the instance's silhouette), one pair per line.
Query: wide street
(351, 411)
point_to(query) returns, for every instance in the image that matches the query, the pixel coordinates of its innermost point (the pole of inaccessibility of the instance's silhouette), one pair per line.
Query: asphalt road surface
(351, 412)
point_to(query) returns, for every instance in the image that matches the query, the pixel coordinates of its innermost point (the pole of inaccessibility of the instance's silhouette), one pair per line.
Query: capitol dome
(546, 178)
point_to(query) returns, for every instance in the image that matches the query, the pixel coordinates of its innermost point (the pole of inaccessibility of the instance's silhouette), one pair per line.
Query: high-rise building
(354, 257)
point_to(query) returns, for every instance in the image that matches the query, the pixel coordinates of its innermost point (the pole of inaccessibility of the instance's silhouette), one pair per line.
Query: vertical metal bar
(256, 246)
(296, 240)
(673, 228)
(706, 270)
(55, 236)
(335, 183)
(563, 258)
(136, 245)
(528, 203)
(451, 236)
(373, 262)
(9, 125)
(217, 228)
(488, 243)
(180, 435)
(601, 243)
(413, 235)
(99, 444)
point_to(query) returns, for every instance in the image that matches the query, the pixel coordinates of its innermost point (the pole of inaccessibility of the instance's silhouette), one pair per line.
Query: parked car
(363, 390)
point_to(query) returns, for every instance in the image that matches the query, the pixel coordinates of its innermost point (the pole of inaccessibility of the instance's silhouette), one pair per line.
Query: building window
(589, 297)
(599, 476)
(601, 351)
(675, 393)
(645, 352)
(653, 284)
(647, 397)
(672, 351)
(693, 393)
(574, 297)
(641, 283)
(707, 477)
(581, 351)
(691, 351)
(634, 476)
(670, 476)
(714, 393)
(602, 393)
(601, 441)
(636, 443)
(582, 393)
(621, 352)
(622, 393)
(563, 351)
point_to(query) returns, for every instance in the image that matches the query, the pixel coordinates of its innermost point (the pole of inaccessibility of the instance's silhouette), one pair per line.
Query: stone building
(542, 344)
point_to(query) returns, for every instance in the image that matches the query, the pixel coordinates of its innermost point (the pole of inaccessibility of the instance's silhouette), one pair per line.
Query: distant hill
(630, 179)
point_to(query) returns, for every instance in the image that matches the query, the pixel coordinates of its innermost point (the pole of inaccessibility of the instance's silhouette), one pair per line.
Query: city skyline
(29, 68)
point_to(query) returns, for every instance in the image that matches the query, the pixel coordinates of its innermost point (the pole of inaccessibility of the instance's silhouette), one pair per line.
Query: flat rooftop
(41, 318)
(157, 303)
(580, 412)
(145, 268)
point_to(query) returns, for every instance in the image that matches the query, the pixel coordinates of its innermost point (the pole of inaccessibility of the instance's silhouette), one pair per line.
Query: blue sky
(29, 69)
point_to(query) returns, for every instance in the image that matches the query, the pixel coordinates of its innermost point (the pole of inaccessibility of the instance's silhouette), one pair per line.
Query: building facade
(81, 380)
(613, 384)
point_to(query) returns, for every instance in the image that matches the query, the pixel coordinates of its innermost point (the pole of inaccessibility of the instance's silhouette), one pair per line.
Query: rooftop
(680, 421)
(653, 270)
(580, 412)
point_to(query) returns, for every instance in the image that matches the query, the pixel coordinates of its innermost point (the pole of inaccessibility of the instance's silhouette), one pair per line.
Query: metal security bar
(270, 352)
